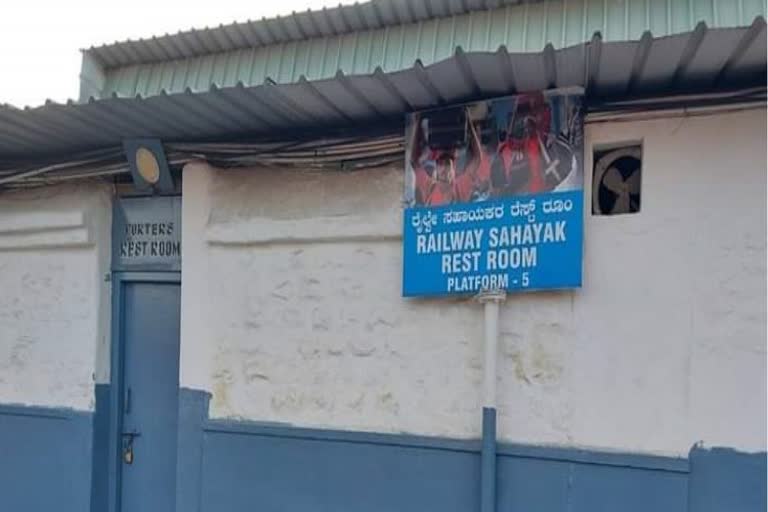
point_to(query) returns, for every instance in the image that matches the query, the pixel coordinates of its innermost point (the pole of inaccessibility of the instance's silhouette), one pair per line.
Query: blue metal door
(150, 394)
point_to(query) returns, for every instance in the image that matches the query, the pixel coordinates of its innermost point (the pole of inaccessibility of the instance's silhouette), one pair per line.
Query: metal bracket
(491, 296)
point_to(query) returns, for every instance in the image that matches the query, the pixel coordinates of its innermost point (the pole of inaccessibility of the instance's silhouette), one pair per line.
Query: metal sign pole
(491, 301)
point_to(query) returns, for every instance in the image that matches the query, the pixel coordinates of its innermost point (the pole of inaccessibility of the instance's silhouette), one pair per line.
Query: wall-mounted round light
(147, 165)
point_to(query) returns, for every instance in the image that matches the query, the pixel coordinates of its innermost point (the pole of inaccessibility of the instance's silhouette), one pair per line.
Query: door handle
(128, 401)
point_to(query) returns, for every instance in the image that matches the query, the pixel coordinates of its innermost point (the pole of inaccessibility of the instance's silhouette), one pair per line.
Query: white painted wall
(54, 303)
(291, 307)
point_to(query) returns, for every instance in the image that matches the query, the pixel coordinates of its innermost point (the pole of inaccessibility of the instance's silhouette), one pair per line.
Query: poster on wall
(494, 196)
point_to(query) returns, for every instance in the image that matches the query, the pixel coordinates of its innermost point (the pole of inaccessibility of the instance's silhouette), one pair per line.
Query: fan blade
(633, 182)
(613, 180)
(622, 204)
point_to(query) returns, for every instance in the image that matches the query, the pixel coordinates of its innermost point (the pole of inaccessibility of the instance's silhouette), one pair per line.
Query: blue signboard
(496, 196)
(529, 242)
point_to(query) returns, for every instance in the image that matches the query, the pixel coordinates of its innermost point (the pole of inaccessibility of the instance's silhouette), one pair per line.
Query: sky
(40, 40)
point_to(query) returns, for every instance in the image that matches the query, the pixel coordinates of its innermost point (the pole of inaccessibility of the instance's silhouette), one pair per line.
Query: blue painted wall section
(488, 462)
(274, 468)
(100, 452)
(233, 466)
(50, 457)
(193, 412)
(726, 480)
(45, 459)
(563, 479)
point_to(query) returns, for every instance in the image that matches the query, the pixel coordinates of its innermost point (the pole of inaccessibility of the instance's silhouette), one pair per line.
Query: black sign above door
(146, 234)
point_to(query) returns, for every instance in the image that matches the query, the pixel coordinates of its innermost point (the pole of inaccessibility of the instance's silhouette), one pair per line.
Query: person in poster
(514, 146)
(445, 171)
(494, 196)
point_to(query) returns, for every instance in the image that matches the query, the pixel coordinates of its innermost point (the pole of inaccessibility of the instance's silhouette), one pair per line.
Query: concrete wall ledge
(322, 230)
(551, 453)
(36, 227)
(39, 412)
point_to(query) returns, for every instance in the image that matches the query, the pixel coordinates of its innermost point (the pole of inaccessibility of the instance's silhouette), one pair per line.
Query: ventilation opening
(616, 180)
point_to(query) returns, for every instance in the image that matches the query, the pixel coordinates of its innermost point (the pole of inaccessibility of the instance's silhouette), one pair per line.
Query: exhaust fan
(616, 181)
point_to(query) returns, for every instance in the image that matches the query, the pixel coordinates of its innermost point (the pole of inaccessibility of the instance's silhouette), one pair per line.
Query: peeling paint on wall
(299, 279)
(54, 309)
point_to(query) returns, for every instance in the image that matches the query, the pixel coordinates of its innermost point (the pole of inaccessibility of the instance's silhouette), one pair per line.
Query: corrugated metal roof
(699, 60)
(420, 35)
(309, 24)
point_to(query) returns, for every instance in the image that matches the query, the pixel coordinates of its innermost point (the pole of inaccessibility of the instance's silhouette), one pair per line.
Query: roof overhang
(297, 26)
(701, 60)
